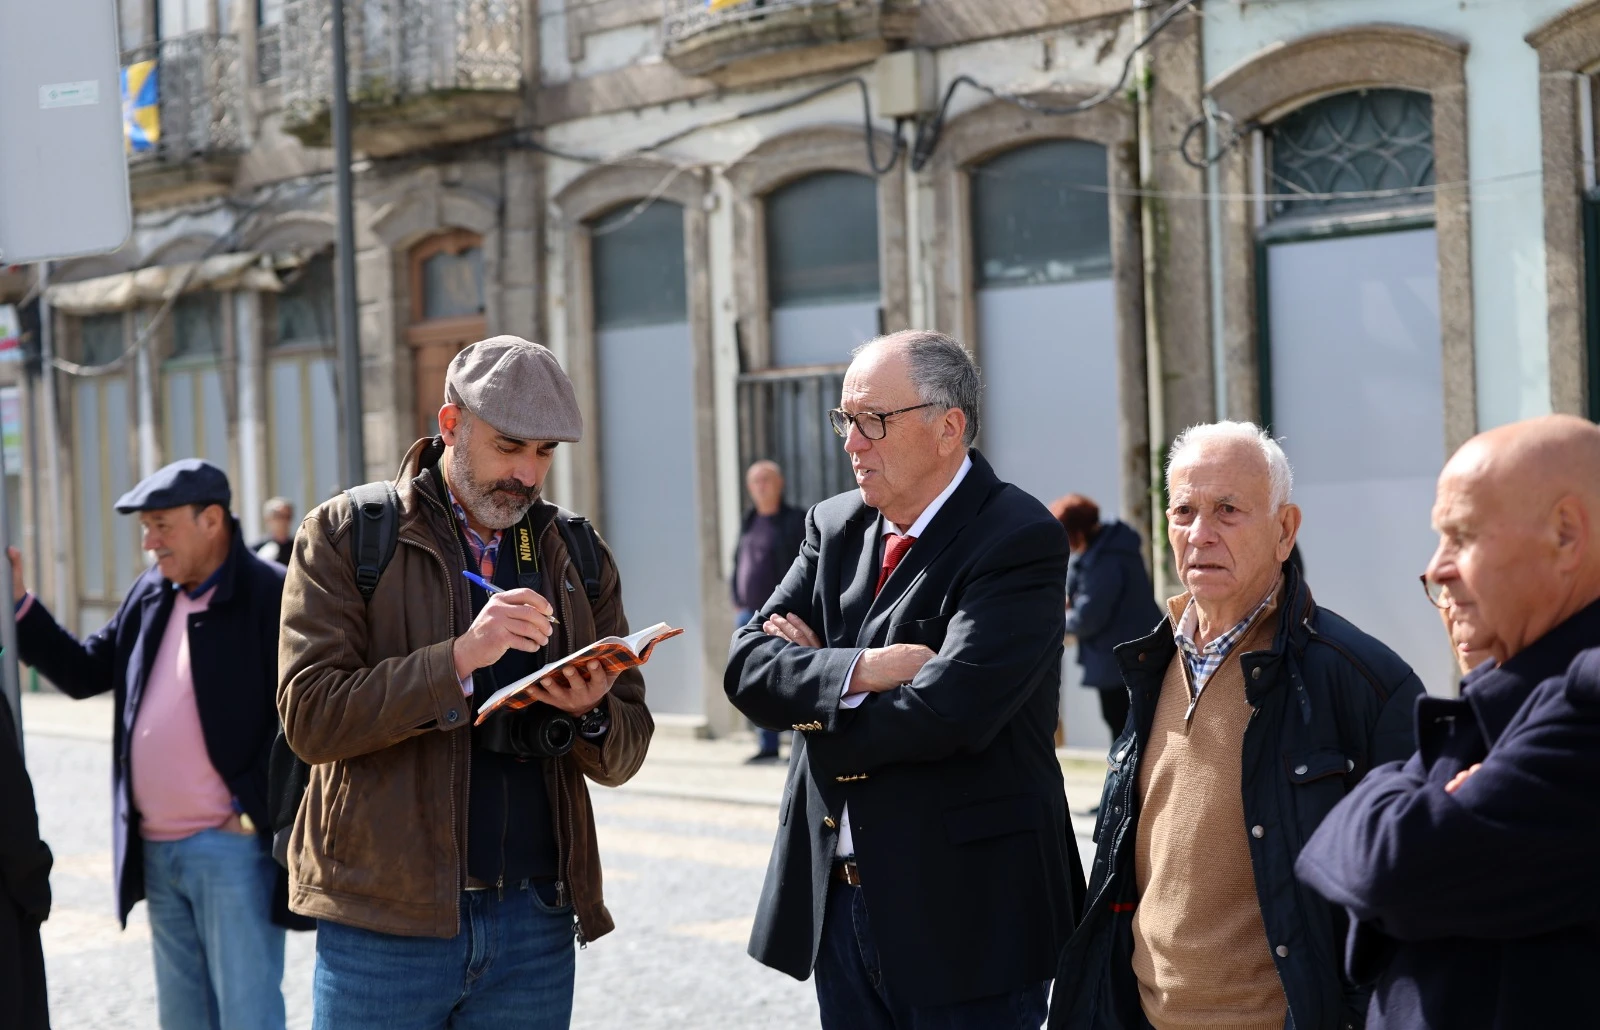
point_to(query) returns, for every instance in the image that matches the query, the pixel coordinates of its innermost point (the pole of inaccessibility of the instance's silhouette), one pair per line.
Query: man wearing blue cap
(191, 657)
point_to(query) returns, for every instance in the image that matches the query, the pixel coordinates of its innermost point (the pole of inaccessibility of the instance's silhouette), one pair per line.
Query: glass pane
(1376, 140)
(197, 326)
(123, 529)
(305, 307)
(92, 504)
(639, 267)
(214, 436)
(102, 339)
(452, 284)
(822, 240)
(288, 453)
(180, 416)
(324, 433)
(269, 12)
(1040, 214)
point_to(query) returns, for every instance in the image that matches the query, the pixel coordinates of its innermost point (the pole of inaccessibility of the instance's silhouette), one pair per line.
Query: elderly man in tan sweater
(1253, 712)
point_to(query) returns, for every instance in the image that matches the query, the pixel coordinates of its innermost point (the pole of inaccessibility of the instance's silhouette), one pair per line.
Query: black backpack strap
(584, 546)
(375, 530)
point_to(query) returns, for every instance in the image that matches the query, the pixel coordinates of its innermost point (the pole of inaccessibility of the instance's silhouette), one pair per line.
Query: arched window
(823, 282)
(447, 313)
(103, 458)
(194, 406)
(649, 487)
(1351, 355)
(302, 412)
(1046, 318)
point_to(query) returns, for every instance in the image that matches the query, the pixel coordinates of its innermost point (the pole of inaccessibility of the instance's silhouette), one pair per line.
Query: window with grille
(1352, 152)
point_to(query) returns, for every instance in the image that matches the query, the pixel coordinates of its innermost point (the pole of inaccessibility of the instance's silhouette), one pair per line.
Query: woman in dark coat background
(1110, 599)
(24, 890)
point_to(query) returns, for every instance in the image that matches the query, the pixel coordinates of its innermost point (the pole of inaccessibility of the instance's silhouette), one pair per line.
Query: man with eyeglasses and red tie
(915, 648)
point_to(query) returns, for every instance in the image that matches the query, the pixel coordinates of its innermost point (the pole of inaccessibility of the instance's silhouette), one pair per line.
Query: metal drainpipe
(1155, 377)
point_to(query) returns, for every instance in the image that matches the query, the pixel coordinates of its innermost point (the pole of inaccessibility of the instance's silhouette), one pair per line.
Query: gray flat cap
(516, 386)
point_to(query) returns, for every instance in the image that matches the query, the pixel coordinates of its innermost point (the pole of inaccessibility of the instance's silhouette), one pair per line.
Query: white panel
(821, 334)
(288, 445)
(651, 514)
(125, 551)
(180, 416)
(324, 433)
(215, 419)
(1049, 418)
(88, 455)
(1357, 399)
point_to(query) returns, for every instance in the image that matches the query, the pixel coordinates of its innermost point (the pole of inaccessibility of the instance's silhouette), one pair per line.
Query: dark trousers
(852, 995)
(1114, 708)
(23, 1003)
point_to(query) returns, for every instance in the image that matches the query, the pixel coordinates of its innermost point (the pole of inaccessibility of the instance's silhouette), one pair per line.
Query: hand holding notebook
(615, 655)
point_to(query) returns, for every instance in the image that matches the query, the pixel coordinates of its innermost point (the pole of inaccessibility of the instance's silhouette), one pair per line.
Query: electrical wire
(928, 134)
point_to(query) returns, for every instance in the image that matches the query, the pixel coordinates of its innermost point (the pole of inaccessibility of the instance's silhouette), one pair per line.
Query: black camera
(537, 731)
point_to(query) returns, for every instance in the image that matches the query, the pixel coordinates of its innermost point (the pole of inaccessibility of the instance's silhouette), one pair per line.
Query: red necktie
(898, 546)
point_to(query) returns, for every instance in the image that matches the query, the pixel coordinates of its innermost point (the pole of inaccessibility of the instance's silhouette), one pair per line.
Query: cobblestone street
(682, 877)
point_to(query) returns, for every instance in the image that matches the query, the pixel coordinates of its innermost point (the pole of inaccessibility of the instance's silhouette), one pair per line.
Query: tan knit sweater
(1200, 950)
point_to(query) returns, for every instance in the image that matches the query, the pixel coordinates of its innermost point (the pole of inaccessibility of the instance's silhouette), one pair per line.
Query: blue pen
(492, 589)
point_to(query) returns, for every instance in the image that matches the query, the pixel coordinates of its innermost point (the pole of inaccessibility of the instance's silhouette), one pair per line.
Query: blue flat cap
(190, 481)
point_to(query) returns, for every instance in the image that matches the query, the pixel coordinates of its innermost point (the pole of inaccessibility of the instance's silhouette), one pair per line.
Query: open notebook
(615, 654)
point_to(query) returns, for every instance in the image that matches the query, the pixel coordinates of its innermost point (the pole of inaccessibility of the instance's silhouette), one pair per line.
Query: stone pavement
(685, 847)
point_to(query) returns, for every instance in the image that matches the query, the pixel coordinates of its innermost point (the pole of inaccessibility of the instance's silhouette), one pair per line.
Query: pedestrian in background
(1110, 599)
(924, 867)
(450, 866)
(24, 890)
(191, 660)
(769, 542)
(1253, 712)
(278, 516)
(1469, 871)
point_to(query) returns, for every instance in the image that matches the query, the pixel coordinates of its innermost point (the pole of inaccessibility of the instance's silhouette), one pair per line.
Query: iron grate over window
(1374, 145)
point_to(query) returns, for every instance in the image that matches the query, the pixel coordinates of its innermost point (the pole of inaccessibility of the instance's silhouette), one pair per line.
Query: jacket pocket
(927, 632)
(999, 817)
(1317, 784)
(1311, 766)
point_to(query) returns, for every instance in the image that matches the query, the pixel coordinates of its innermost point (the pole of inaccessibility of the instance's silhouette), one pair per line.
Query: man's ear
(952, 430)
(449, 422)
(1570, 526)
(1289, 528)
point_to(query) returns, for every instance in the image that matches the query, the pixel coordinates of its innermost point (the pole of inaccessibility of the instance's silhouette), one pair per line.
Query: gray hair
(276, 505)
(1279, 474)
(941, 370)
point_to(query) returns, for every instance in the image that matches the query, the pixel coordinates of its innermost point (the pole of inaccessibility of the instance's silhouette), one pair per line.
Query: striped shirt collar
(1203, 662)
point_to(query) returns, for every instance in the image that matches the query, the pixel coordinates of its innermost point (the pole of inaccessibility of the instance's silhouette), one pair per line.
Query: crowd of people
(1291, 833)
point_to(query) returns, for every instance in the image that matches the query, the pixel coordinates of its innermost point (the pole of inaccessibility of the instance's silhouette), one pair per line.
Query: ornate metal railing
(783, 416)
(269, 53)
(399, 49)
(187, 98)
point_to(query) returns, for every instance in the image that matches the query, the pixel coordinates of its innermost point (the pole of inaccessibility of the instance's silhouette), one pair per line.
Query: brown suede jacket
(369, 698)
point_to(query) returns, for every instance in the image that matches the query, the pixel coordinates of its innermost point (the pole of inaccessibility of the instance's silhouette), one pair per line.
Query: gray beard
(498, 505)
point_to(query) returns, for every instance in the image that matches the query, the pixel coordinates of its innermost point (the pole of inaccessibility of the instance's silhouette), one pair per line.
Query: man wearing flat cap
(190, 658)
(450, 866)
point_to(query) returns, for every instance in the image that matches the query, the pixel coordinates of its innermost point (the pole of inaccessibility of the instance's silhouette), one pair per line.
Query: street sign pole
(10, 679)
(349, 339)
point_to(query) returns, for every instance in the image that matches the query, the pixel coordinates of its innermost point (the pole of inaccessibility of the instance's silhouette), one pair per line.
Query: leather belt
(845, 870)
(475, 884)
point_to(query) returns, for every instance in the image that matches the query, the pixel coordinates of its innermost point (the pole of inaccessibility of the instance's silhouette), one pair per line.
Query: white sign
(69, 94)
(63, 165)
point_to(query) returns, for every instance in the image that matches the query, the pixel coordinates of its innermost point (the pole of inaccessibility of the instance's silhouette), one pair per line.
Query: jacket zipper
(455, 840)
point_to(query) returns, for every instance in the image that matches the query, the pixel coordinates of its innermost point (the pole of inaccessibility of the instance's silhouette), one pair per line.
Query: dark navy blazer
(1480, 908)
(233, 651)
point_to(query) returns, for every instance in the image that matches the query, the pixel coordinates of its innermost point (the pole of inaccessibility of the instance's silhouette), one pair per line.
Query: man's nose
(855, 441)
(1202, 531)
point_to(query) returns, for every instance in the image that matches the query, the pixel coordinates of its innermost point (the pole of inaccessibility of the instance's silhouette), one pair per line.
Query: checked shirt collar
(1203, 662)
(486, 553)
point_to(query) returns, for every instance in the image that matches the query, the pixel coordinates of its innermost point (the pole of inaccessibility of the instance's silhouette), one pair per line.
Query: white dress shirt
(847, 844)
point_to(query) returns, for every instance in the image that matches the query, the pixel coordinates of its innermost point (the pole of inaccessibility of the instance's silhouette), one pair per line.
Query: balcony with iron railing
(421, 72)
(763, 40)
(783, 416)
(184, 116)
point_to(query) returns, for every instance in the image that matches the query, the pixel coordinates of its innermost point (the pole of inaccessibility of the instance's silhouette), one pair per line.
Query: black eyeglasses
(1437, 593)
(872, 424)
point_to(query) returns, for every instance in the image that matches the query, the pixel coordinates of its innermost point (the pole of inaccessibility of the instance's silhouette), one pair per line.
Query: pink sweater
(176, 789)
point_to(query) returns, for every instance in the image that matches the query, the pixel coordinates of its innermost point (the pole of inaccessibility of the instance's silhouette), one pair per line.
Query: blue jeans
(852, 995)
(218, 957)
(510, 965)
(767, 740)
